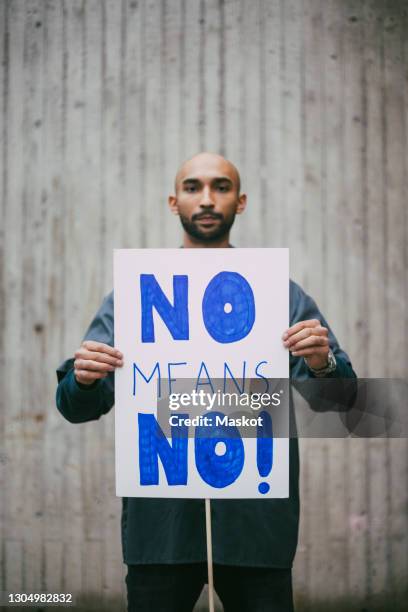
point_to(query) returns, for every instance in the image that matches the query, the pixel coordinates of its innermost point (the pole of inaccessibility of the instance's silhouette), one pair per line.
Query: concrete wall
(100, 101)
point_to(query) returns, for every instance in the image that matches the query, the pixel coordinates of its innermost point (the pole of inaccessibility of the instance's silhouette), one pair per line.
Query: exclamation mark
(264, 451)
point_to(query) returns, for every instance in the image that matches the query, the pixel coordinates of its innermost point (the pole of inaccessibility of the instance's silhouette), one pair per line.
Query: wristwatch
(331, 366)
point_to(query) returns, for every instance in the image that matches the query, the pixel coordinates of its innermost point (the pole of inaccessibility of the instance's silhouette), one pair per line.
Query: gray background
(100, 101)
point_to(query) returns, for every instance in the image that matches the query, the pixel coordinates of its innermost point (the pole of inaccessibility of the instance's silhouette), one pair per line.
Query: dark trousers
(176, 588)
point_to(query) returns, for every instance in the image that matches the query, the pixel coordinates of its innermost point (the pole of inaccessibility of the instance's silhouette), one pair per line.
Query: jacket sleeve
(336, 391)
(303, 307)
(78, 403)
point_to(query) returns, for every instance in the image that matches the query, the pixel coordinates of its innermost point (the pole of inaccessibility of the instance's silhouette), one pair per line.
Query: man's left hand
(308, 339)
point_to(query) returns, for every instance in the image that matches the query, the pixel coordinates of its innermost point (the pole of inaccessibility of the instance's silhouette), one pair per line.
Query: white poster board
(174, 320)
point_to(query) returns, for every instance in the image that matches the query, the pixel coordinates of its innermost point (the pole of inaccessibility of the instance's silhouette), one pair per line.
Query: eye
(223, 188)
(190, 188)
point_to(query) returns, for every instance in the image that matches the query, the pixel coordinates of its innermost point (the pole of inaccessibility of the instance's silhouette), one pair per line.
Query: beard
(221, 229)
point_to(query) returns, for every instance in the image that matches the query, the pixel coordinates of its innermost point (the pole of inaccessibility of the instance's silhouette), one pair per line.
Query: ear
(172, 200)
(242, 202)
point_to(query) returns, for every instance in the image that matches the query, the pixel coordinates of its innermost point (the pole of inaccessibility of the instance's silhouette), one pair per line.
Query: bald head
(210, 164)
(207, 199)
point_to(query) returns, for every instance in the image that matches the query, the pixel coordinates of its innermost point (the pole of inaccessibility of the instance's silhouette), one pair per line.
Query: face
(207, 197)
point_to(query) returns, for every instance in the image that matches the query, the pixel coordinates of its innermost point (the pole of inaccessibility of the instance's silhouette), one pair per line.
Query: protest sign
(198, 315)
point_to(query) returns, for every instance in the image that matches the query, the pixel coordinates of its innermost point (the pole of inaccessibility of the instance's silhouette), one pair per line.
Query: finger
(86, 377)
(102, 357)
(310, 342)
(308, 352)
(93, 366)
(306, 332)
(91, 345)
(299, 326)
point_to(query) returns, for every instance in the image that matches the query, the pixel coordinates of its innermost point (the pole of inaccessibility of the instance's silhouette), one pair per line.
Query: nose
(207, 200)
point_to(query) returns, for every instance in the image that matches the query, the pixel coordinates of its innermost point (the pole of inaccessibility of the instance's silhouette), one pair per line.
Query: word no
(228, 307)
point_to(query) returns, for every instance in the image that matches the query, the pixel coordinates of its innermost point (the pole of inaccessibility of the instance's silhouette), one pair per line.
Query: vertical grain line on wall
(323, 162)
(43, 568)
(3, 204)
(122, 99)
(300, 144)
(162, 110)
(142, 123)
(201, 77)
(23, 318)
(26, 100)
(63, 216)
(221, 99)
(84, 75)
(387, 293)
(364, 186)
(365, 450)
(341, 187)
(242, 102)
(388, 271)
(103, 93)
(404, 89)
(283, 117)
(182, 78)
(64, 88)
(342, 169)
(5, 161)
(39, 238)
(303, 137)
(370, 554)
(82, 80)
(384, 187)
(262, 119)
(365, 195)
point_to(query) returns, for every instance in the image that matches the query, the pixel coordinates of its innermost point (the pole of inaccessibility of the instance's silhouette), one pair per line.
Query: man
(254, 541)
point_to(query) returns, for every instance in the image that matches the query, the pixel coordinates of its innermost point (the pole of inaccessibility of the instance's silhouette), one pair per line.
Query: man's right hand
(94, 360)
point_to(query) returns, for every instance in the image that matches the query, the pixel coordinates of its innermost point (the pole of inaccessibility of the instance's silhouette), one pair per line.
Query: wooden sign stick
(209, 556)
